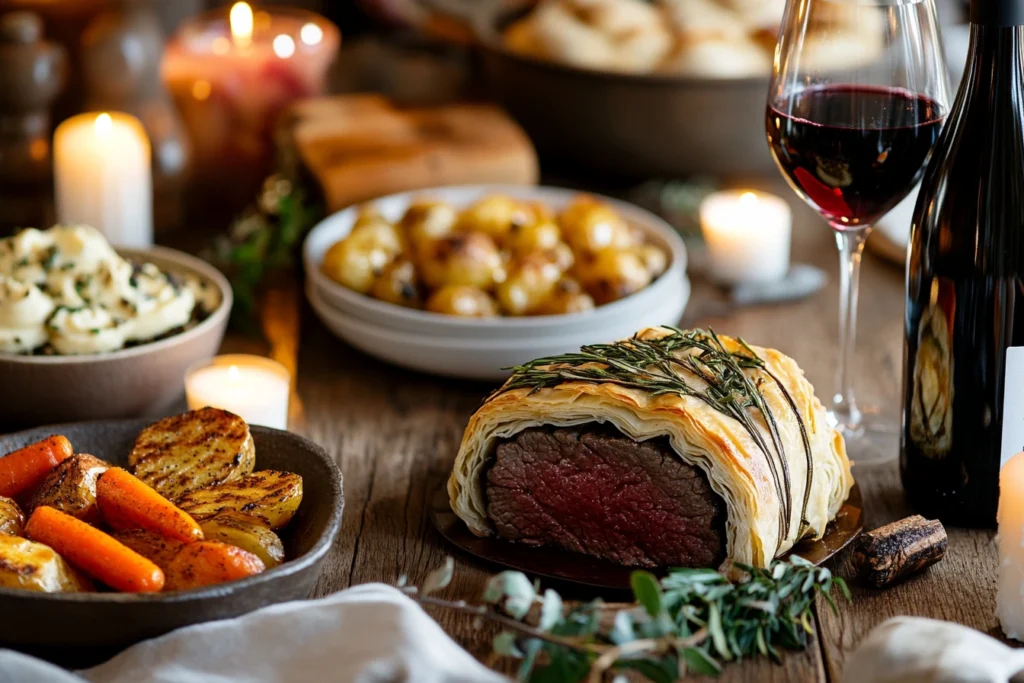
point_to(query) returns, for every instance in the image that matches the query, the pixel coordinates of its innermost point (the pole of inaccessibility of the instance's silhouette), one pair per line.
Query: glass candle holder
(253, 387)
(231, 73)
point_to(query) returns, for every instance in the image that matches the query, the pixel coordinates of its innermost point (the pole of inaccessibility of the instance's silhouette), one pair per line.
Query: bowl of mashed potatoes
(90, 332)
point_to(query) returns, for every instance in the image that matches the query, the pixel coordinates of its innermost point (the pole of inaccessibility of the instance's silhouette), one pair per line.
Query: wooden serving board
(576, 568)
(359, 147)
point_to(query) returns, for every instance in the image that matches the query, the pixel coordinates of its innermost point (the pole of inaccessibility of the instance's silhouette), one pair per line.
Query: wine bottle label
(1013, 405)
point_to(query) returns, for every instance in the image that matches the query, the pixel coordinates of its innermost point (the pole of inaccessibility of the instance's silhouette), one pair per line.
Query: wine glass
(858, 95)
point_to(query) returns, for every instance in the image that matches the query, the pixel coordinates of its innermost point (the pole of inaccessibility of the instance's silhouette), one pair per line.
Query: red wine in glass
(853, 152)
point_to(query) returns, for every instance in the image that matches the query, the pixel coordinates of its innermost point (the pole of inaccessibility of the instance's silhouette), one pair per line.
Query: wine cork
(895, 551)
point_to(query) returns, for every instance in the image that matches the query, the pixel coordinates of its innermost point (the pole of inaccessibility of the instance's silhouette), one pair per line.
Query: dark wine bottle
(964, 327)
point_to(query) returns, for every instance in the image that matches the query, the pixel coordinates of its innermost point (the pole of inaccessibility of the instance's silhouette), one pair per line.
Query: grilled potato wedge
(36, 567)
(12, 519)
(157, 549)
(71, 488)
(246, 533)
(269, 496)
(192, 451)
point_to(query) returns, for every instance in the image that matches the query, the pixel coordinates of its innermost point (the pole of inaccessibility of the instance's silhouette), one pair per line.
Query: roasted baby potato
(191, 451)
(495, 216)
(71, 488)
(206, 563)
(470, 259)
(157, 549)
(12, 519)
(538, 236)
(377, 231)
(239, 530)
(427, 220)
(613, 274)
(398, 284)
(529, 285)
(36, 567)
(654, 258)
(357, 260)
(589, 226)
(469, 302)
(267, 496)
(567, 297)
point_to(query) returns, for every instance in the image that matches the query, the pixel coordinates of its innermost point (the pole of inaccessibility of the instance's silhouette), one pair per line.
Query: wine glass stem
(844, 405)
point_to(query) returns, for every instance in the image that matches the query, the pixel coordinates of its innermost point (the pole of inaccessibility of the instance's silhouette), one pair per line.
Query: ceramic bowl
(638, 309)
(141, 380)
(470, 357)
(83, 628)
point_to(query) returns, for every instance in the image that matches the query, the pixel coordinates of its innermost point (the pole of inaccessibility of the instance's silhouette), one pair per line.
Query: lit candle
(747, 236)
(252, 387)
(102, 176)
(231, 73)
(1010, 595)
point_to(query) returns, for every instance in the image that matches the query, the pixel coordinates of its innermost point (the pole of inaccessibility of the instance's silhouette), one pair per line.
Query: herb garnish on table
(690, 621)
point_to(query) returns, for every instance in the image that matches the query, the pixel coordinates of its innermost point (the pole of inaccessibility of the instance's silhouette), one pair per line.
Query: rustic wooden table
(395, 433)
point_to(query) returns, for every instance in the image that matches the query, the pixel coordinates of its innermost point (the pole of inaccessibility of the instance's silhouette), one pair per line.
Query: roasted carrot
(208, 562)
(24, 469)
(94, 552)
(127, 502)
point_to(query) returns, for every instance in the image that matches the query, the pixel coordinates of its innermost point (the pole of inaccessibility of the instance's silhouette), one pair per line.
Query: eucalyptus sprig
(691, 621)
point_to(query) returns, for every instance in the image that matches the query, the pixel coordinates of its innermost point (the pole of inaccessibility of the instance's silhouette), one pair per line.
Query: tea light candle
(1010, 595)
(252, 387)
(102, 176)
(747, 236)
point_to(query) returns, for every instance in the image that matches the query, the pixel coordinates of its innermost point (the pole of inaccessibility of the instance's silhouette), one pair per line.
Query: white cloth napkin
(916, 650)
(366, 634)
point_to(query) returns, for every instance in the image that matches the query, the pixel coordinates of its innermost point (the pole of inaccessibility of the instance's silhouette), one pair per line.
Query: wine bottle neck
(995, 51)
(997, 13)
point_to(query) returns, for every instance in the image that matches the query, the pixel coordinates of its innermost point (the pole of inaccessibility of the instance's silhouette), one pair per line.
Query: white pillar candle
(747, 236)
(102, 176)
(1010, 595)
(252, 387)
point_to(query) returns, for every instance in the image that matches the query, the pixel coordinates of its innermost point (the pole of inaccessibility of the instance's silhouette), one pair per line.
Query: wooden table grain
(394, 434)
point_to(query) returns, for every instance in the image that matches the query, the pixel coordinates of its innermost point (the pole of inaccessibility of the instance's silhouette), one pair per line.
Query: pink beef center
(592, 490)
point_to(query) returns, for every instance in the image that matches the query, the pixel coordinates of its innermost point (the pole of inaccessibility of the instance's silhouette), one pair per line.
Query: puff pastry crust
(773, 498)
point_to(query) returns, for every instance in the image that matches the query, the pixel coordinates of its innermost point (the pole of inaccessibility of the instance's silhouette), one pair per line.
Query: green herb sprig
(687, 363)
(264, 243)
(690, 621)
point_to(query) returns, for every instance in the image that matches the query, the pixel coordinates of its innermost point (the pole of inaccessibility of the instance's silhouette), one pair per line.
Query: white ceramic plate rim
(467, 193)
(366, 328)
(177, 258)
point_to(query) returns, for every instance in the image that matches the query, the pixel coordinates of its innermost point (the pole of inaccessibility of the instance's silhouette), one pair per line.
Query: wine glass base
(874, 440)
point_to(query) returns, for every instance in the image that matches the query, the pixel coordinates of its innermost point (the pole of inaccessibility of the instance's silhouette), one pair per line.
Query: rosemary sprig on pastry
(691, 621)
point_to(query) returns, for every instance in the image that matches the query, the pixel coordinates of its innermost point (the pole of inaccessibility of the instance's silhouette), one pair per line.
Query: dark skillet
(76, 629)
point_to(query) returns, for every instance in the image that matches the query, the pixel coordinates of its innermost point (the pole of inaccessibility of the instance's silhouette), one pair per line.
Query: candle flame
(103, 124)
(233, 373)
(240, 19)
(748, 199)
(311, 34)
(284, 46)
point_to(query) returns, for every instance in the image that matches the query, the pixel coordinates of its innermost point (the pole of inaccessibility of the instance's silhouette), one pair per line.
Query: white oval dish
(639, 307)
(470, 357)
